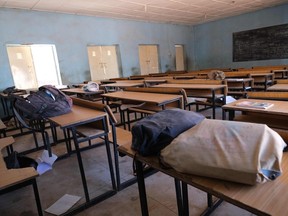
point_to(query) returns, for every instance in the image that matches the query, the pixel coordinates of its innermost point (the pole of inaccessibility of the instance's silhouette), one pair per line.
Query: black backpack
(47, 102)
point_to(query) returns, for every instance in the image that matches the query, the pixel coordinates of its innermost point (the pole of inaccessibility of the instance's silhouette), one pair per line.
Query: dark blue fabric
(153, 133)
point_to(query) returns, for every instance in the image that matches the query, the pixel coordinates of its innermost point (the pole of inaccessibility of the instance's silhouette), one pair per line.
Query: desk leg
(185, 199)
(110, 163)
(213, 105)
(141, 188)
(178, 196)
(84, 182)
(231, 115)
(37, 197)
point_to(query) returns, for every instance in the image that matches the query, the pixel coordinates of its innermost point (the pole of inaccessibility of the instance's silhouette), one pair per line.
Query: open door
(34, 65)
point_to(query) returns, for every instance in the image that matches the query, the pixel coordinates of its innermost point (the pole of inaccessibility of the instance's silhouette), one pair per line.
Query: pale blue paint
(71, 34)
(207, 46)
(213, 41)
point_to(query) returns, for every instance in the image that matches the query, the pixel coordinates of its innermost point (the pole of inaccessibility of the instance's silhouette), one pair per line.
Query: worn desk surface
(278, 87)
(191, 86)
(279, 107)
(123, 84)
(158, 99)
(81, 91)
(239, 79)
(78, 115)
(11, 177)
(269, 198)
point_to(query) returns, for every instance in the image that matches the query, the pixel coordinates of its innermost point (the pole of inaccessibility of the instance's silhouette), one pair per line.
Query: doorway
(180, 58)
(149, 59)
(104, 62)
(34, 65)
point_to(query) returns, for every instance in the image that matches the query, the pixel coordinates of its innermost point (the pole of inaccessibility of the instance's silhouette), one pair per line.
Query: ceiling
(187, 12)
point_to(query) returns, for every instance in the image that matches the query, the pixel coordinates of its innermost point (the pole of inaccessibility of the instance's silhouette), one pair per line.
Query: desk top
(261, 74)
(11, 177)
(78, 115)
(278, 108)
(239, 79)
(158, 99)
(280, 70)
(123, 84)
(278, 87)
(81, 91)
(269, 198)
(190, 86)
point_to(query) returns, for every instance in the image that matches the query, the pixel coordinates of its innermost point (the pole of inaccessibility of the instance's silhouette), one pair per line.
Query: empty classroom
(119, 66)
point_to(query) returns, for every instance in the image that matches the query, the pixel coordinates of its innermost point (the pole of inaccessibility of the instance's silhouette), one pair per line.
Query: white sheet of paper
(43, 167)
(63, 204)
(45, 158)
(45, 162)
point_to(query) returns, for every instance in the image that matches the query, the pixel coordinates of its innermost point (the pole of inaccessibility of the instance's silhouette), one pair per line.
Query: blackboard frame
(261, 44)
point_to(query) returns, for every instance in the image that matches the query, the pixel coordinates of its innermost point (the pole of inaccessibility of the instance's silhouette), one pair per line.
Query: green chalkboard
(261, 44)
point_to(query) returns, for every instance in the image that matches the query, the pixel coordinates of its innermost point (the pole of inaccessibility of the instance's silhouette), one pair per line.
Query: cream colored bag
(235, 151)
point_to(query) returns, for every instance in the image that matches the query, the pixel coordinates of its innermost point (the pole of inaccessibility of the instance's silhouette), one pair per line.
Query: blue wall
(207, 45)
(213, 41)
(71, 34)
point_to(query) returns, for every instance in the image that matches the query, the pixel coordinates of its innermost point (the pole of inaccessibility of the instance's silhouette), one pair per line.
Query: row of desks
(261, 199)
(195, 90)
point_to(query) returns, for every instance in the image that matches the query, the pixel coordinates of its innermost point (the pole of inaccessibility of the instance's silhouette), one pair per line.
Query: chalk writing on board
(261, 44)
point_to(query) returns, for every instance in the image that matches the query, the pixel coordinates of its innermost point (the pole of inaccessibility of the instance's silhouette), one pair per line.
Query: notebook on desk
(253, 104)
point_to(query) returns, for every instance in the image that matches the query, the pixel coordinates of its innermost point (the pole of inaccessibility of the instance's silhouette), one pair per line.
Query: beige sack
(235, 151)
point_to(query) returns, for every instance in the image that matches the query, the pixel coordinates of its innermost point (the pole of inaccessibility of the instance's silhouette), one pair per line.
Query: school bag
(48, 101)
(153, 133)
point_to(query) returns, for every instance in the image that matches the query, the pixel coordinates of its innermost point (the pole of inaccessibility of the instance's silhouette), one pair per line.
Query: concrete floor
(64, 178)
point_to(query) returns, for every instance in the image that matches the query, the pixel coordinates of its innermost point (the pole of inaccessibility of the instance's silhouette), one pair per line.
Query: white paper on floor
(63, 204)
(45, 162)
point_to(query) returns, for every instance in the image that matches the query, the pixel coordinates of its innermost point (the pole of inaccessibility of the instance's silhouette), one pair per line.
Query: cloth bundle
(235, 151)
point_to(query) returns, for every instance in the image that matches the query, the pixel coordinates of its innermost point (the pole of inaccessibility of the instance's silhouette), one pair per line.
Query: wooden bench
(12, 179)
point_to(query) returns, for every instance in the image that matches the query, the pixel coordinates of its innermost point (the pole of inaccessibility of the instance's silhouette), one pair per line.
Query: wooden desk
(278, 109)
(79, 116)
(240, 86)
(84, 94)
(262, 80)
(12, 179)
(124, 84)
(151, 82)
(280, 74)
(154, 98)
(200, 91)
(278, 87)
(265, 199)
